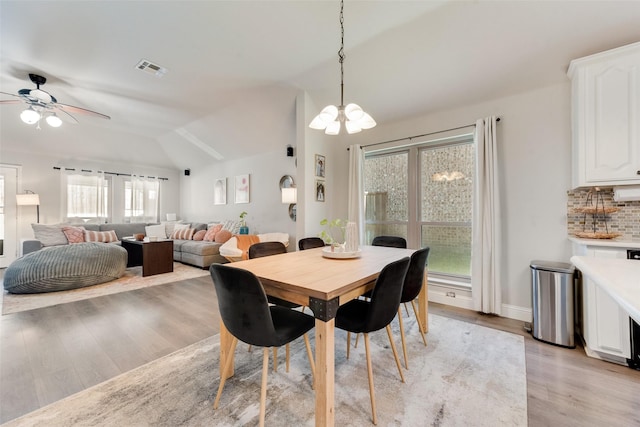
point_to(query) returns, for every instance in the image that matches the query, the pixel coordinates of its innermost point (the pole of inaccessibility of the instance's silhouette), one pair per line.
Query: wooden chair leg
(404, 344)
(287, 351)
(348, 344)
(249, 348)
(275, 359)
(311, 361)
(395, 352)
(406, 309)
(356, 344)
(263, 389)
(415, 311)
(370, 375)
(223, 378)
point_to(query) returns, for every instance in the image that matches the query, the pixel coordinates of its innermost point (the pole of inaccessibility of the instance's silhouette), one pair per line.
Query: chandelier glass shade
(351, 117)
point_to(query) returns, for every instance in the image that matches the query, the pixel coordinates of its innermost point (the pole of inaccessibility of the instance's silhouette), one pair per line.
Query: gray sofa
(197, 253)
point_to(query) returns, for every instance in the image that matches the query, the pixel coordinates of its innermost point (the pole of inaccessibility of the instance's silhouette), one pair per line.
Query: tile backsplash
(625, 221)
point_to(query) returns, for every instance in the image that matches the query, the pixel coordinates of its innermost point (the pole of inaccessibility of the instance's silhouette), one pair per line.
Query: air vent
(151, 68)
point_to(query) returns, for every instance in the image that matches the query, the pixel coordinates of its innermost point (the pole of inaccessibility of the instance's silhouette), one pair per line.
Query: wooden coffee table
(154, 257)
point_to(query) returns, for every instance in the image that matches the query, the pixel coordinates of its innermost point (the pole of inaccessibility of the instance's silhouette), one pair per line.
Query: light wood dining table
(322, 284)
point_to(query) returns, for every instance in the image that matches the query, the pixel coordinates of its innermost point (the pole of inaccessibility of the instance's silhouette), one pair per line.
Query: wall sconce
(290, 196)
(29, 199)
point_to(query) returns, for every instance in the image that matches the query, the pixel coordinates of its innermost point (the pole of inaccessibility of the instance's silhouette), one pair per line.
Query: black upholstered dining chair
(310, 243)
(413, 283)
(390, 241)
(249, 318)
(262, 249)
(377, 313)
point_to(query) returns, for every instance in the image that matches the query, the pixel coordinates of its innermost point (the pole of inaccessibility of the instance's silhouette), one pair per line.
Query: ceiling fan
(42, 104)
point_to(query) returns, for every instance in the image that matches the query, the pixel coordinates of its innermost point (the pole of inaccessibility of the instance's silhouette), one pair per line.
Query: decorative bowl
(139, 236)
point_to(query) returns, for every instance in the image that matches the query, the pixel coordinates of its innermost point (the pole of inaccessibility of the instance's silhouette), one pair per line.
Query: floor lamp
(29, 199)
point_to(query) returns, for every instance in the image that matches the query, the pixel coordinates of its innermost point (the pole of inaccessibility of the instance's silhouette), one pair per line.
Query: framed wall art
(320, 165)
(220, 191)
(242, 188)
(320, 191)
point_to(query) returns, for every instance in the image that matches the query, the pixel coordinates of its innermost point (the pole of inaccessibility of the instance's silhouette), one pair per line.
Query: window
(425, 194)
(386, 195)
(87, 197)
(446, 198)
(141, 200)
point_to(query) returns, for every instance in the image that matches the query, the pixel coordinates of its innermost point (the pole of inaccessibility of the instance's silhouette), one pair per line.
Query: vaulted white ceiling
(235, 67)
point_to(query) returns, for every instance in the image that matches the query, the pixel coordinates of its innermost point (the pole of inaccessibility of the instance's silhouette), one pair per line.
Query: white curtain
(85, 196)
(486, 239)
(356, 189)
(142, 199)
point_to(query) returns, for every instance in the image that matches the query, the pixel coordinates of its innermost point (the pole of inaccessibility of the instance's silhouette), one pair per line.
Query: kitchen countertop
(620, 278)
(612, 243)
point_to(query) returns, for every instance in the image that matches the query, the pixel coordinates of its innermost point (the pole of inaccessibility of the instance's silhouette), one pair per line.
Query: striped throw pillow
(183, 234)
(100, 236)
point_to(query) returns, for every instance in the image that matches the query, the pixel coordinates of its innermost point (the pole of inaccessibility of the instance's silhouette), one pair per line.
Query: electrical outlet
(451, 294)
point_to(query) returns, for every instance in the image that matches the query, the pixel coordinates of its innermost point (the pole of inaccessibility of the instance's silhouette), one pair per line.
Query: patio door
(8, 216)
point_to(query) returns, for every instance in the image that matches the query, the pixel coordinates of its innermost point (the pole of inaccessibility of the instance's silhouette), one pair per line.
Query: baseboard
(463, 299)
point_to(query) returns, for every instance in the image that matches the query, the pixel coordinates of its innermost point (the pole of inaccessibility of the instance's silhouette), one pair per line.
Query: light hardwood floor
(50, 353)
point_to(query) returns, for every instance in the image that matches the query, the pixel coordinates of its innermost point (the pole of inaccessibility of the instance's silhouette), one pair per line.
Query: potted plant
(243, 224)
(333, 234)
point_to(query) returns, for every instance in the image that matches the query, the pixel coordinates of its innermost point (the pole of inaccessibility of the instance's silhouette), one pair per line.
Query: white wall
(265, 211)
(39, 176)
(534, 140)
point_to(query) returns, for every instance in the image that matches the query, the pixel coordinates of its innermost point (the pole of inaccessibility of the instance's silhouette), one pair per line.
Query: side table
(154, 257)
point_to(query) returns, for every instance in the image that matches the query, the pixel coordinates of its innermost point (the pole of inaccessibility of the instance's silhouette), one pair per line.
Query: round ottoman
(59, 268)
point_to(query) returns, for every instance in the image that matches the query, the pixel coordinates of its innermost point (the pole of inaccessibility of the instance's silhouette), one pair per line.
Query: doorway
(8, 215)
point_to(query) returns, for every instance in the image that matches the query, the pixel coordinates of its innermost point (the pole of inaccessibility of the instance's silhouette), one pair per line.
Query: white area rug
(132, 279)
(468, 375)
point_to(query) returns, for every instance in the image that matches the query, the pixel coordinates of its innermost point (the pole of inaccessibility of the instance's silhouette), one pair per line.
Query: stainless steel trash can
(553, 289)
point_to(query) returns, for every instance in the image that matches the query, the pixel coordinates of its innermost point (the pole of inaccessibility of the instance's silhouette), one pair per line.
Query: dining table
(323, 281)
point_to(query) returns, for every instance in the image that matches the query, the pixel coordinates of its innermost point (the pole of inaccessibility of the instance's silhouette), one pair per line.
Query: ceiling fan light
(30, 116)
(353, 112)
(53, 120)
(333, 128)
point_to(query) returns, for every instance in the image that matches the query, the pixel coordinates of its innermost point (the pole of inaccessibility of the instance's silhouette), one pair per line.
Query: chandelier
(351, 116)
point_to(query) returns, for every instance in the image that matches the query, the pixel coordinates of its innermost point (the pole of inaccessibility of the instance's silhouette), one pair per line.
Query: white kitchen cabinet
(605, 325)
(606, 117)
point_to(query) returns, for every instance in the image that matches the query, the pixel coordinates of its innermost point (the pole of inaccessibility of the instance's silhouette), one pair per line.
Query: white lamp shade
(27, 199)
(333, 128)
(353, 112)
(289, 195)
(54, 121)
(30, 116)
(352, 127)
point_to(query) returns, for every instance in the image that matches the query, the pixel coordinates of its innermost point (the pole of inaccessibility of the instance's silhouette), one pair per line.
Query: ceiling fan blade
(10, 94)
(11, 101)
(71, 109)
(68, 117)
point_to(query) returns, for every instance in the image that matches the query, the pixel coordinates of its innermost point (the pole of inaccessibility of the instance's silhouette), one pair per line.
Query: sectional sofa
(198, 253)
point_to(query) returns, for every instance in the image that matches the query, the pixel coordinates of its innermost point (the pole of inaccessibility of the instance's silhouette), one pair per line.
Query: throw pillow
(199, 235)
(74, 234)
(50, 235)
(100, 236)
(155, 231)
(183, 234)
(223, 235)
(210, 236)
(232, 226)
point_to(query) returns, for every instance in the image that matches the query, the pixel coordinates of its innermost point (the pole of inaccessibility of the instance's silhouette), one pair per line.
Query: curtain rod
(419, 136)
(111, 173)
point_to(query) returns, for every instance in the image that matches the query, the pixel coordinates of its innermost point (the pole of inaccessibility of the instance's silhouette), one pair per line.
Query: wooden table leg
(423, 304)
(325, 373)
(225, 346)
